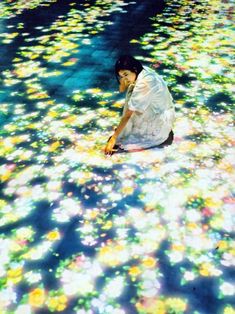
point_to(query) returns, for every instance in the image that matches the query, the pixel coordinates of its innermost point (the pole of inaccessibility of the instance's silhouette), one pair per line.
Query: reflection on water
(147, 232)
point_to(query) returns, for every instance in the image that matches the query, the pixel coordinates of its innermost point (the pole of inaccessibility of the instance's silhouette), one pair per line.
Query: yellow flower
(222, 245)
(105, 250)
(210, 202)
(61, 307)
(17, 139)
(93, 214)
(232, 251)
(68, 63)
(14, 275)
(119, 248)
(158, 308)
(178, 247)
(134, 271)
(63, 299)
(11, 217)
(206, 269)
(52, 302)
(32, 126)
(152, 307)
(118, 105)
(127, 190)
(54, 146)
(5, 176)
(53, 114)
(31, 90)
(94, 90)
(70, 119)
(53, 235)
(102, 102)
(192, 225)
(223, 165)
(49, 102)
(37, 297)
(186, 146)
(149, 262)
(203, 111)
(15, 247)
(2, 203)
(11, 127)
(108, 225)
(134, 41)
(57, 303)
(176, 304)
(229, 310)
(217, 222)
(111, 255)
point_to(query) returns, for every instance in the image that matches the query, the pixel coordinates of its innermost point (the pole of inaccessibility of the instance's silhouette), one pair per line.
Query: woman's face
(128, 76)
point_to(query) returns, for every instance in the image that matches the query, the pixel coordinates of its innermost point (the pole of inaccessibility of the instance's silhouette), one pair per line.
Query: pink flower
(73, 59)
(22, 242)
(11, 167)
(180, 67)
(229, 200)
(207, 212)
(79, 260)
(157, 64)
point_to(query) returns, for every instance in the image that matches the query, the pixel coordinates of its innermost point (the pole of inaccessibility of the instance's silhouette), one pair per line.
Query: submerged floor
(147, 232)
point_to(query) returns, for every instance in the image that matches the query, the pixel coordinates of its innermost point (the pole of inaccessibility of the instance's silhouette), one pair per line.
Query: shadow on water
(219, 102)
(202, 293)
(96, 68)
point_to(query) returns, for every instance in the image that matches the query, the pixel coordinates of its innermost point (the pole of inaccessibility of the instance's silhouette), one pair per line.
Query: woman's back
(153, 115)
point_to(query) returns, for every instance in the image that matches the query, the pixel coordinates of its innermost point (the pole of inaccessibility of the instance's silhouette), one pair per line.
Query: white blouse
(154, 113)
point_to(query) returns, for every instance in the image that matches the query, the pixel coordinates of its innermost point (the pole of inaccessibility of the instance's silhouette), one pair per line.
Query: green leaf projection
(149, 232)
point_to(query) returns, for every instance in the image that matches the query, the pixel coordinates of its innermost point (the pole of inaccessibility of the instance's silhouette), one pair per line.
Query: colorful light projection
(11, 8)
(135, 233)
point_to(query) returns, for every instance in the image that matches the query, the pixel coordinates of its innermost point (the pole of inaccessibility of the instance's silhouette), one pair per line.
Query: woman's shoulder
(148, 75)
(148, 72)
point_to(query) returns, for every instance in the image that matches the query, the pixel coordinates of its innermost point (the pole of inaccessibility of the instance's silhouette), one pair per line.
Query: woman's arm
(123, 122)
(121, 126)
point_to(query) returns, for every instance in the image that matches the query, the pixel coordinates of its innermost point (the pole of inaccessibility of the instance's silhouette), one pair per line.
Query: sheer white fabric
(154, 113)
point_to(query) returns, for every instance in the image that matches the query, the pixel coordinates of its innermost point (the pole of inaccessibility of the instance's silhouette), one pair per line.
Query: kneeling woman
(148, 113)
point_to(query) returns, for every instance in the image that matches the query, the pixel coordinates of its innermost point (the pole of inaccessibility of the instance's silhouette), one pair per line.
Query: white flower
(115, 287)
(193, 215)
(175, 256)
(118, 311)
(84, 312)
(24, 233)
(188, 275)
(228, 260)
(7, 296)
(32, 277)
(150, 293)
(74, 283)
(23, 309)
(227, 288)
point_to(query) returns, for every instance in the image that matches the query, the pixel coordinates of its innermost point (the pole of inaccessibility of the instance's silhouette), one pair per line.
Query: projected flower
(11, 8)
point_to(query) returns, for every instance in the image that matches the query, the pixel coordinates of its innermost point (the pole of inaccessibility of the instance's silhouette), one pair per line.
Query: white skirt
(146, 130)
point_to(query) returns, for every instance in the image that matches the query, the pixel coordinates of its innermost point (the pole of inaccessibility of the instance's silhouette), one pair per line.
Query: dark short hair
(127, 62)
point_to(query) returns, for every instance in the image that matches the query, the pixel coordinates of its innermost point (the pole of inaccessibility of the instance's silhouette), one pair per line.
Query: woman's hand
(112, 141)
(110, 145)
(123, 85)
